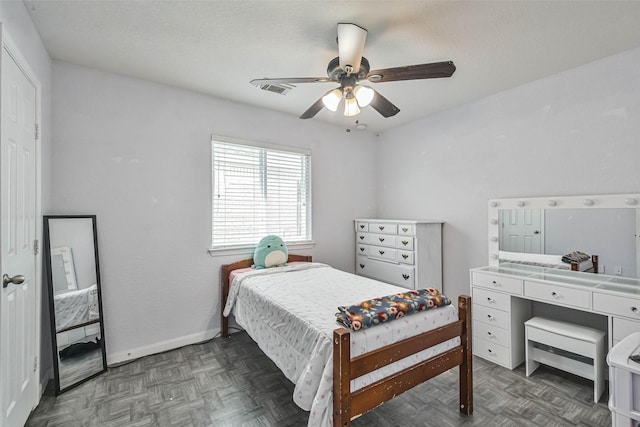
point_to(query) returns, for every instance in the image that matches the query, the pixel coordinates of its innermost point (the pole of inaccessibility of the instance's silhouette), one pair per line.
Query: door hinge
(37, 131)
(36, 247)
(35, 364)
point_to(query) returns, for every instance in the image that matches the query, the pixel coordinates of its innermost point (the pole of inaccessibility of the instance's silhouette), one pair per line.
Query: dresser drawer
(406, 229)
(491, 299)
(499, 283)
(616, 305)
(491, 351)
(383, 253)
(379, 239)
(383, 228)
(624, 327)
(405, 257)
(491, 333)
(557, 294)
(404, 242)
(362, 226)
(491, 316)
(397, 274)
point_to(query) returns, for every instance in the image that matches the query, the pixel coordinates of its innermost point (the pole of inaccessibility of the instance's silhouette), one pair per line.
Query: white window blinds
(259, 191)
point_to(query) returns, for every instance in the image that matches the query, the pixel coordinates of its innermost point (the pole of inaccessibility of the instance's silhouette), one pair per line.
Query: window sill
(248, 250)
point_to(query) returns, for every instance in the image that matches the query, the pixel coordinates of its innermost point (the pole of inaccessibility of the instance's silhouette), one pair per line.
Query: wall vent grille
(281, 89)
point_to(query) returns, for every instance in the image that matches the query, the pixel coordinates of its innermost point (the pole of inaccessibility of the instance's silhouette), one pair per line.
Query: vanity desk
(507, 294)
(502, 301)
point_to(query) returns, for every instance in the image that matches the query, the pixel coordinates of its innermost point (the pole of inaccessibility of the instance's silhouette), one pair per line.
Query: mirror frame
(49, 282)
(603, 201)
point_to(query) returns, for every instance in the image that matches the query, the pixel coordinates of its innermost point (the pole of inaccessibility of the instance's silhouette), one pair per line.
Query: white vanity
(505, 295)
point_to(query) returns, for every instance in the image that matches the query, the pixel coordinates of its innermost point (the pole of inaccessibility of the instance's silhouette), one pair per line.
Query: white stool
(576, 339)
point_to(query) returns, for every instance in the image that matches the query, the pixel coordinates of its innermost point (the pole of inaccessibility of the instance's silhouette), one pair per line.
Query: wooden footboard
(226, 269)
(348, 405)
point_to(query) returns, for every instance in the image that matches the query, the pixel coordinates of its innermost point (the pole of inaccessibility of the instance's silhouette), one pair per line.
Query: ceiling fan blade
(351, 40)
(313, 110)
(290, 80)
(413, 72)
(383, 106)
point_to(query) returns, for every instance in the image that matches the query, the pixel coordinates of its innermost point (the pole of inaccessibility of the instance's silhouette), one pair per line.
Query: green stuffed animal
(270, 252)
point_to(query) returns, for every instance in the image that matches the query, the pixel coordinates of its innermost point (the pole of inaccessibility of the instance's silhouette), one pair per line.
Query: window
(259, 190)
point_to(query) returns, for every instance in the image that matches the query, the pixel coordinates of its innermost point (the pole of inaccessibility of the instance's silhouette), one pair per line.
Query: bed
(549, 261)
(76, 308)
(339, 375)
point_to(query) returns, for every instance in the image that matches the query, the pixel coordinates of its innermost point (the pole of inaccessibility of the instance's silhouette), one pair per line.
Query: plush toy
(270, 252)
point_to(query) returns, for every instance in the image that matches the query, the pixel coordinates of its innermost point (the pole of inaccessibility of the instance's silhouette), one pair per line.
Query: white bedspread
(76, 307)
(290, 313)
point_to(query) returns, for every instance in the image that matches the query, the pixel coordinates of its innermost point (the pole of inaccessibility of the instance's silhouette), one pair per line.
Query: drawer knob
(634, 310)
(381, 252)
(381, 227)
(381, 239)
(405, 256)
(361, 249)
(361, 237)
(490, 299)
(494, 283)
(490, 317)
(405, 276)
(555, 295)
(362, 227)
(490, 351)
(405, 242)
(405, 229)
(361, 265)
(490, 334)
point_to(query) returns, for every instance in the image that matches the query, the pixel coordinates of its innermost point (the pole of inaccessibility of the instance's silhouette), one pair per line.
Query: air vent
(281, 89)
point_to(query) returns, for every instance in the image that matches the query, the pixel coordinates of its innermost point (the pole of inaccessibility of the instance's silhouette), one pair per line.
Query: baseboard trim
(115, 359)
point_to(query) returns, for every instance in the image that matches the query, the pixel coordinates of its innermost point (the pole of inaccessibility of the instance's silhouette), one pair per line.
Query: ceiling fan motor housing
(335, 72)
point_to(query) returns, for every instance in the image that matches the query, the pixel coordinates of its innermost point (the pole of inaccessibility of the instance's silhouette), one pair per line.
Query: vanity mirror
(72, 267)
(604, 225)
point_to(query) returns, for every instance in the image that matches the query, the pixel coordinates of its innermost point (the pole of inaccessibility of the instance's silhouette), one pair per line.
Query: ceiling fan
(350, 68)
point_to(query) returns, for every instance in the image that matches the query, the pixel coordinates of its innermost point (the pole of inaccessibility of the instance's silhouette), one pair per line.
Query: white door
(18, 211)
(522, 230)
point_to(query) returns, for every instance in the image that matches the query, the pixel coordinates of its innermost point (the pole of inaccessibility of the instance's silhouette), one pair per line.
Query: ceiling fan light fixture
(332, 99)
(351, 105)
(364, 95)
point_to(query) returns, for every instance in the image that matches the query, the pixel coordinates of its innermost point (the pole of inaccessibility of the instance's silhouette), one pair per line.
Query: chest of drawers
(406, 253)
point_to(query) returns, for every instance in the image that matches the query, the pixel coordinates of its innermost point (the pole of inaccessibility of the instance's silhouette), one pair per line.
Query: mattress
(290, 313)
(76, 307)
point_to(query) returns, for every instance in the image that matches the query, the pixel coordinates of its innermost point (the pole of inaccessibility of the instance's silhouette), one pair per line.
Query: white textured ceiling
(215, 47)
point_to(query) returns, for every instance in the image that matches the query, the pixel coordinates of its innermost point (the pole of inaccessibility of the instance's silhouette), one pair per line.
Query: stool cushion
(567, 329)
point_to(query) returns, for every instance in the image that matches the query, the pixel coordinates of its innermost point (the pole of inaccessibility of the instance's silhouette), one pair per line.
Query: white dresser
(406, 253)
(502, 301)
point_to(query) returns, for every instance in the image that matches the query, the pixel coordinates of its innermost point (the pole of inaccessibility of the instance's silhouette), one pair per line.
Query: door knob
(16, 280)
(536, 232)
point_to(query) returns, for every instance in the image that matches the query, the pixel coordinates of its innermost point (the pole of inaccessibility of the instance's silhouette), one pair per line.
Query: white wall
(16, 21)
(137, 154)
(569, 134)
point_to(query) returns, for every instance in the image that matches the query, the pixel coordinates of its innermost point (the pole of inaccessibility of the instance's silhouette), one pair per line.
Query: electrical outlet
(618, 270)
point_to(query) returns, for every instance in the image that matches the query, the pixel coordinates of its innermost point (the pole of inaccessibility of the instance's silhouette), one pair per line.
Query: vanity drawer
(617, 305)
(492, 299)
(499, 283)
(491, 316)
(383, 228)
(557, 294)
(405, 257)
(406, 229)
(404, 242)
(362, 226)
(491, 351)
(491, 333)
(623, 327)
(397, 274)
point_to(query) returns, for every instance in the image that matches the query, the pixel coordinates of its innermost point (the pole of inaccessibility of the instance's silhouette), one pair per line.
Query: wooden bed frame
(348, 405)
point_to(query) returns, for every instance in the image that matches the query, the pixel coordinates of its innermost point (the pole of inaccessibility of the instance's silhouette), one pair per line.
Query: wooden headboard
(226, 269)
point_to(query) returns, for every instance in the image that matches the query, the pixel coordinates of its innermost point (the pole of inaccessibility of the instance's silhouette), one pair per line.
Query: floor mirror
(73, 273)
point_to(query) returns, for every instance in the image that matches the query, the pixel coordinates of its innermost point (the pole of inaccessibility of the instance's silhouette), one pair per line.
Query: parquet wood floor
(230, 382)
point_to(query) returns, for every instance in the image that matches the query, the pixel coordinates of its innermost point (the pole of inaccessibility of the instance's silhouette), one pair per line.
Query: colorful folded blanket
(385, 309)
(576, 256)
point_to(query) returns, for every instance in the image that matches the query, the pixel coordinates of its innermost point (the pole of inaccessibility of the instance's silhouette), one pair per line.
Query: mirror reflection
(71, 258)
(609, 233)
